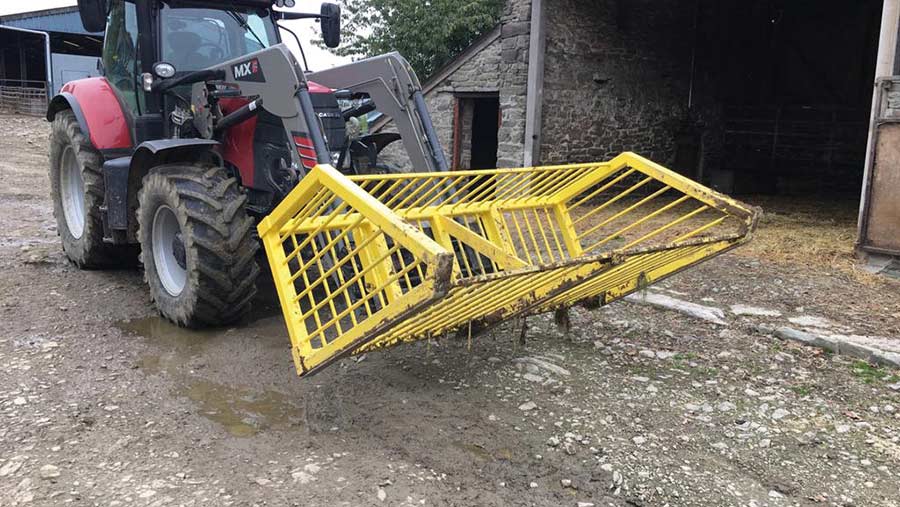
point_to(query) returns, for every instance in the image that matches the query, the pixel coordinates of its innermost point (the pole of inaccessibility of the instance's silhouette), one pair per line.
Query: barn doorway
(476, 121)
(794, 79)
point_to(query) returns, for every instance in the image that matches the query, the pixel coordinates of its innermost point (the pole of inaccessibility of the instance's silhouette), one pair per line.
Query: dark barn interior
(795, 89)
(750, 96)
(39, 52)
(476, 118)
(23, 59)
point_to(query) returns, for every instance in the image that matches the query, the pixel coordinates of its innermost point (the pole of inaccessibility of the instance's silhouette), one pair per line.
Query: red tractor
(201, 123)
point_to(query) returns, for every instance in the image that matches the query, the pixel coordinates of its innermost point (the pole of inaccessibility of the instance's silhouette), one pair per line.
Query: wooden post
(535, 94)
(885, 66)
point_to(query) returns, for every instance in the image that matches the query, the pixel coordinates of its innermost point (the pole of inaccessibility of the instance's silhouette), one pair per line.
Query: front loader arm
(274, 78)
(391, 83)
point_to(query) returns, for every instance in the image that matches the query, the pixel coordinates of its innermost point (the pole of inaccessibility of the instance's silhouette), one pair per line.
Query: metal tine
(364, 272)
(554, 230)
(540, 227)
(502, 295)
(311, 235)
(600, 190)
(614, 200)
(624, 212)
(323, 277)
(391, 279)
(701, 229)
(537, 248)
(667, 226)
(430, 185)
(641, 221)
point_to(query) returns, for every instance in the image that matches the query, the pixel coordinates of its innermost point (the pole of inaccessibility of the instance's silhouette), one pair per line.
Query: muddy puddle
(482, 453)
(243, 412)
(177, 352)
(172, 347)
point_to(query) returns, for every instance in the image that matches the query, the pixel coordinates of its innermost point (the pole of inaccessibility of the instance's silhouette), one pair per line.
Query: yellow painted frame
(516, 225)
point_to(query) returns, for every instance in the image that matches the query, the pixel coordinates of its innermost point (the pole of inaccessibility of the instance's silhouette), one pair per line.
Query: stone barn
(750, 97)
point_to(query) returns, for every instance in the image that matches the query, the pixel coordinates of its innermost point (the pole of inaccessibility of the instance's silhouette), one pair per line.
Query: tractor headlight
(164, 70)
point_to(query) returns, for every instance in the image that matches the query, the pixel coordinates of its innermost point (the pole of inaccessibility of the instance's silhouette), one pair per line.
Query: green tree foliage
(427, 32)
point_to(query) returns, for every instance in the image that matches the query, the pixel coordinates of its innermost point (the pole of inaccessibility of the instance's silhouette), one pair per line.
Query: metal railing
(23, 97)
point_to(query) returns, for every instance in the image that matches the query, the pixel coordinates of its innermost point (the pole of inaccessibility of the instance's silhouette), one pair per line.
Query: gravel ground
(102, 403)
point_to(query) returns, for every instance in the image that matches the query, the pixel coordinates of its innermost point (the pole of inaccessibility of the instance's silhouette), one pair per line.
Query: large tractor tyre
(197, 245)
(77, 187)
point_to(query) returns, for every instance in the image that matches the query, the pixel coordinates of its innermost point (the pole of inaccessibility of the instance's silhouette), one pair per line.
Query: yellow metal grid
(370, 261)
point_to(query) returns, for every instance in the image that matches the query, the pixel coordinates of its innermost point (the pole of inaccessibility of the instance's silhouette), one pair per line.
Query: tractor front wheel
(77, 187)
(197, 245)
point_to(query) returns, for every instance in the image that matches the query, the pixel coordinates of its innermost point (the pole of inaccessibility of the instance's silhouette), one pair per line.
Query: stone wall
(655, 77)
(514, 36)
(501, 67)
(616, 78)
(466, 119)
(480, 74)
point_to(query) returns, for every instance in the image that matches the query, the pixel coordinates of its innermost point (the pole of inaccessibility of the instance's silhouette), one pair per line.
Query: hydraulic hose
(239, 116)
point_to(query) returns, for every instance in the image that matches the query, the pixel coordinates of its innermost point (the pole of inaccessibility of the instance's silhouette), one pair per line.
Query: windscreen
(194, 39)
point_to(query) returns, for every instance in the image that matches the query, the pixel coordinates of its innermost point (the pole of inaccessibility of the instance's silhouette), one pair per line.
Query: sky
(306, 30)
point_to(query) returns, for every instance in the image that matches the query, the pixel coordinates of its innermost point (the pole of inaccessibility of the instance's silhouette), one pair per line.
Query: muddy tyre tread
(218, 238)
(89, 251)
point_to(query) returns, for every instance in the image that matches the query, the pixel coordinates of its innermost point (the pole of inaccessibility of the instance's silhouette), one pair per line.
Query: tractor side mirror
(93, 14)
(330, 19)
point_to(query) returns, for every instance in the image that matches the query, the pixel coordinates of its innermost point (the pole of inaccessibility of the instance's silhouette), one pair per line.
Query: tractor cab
(200, 126)
(150, 43)
(149, 40)
(192, 38)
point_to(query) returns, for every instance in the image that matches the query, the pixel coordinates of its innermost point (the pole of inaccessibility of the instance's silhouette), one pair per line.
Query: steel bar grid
(367, 262)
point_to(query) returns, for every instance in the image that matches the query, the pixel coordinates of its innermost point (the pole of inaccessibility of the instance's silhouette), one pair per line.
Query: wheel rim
(169, 255)
(71, 188)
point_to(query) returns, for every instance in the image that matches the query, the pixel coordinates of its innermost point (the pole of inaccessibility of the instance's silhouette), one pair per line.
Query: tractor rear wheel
(77, 187)
(197, 245)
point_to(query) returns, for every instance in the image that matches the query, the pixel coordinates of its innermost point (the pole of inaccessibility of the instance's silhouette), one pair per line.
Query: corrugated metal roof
(64, 20)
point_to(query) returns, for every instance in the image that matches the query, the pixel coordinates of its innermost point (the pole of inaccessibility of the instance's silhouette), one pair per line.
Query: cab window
(120, 61)
(194, 39)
